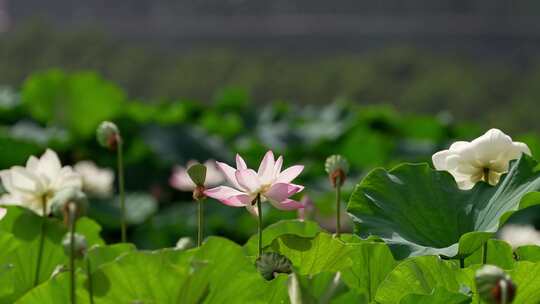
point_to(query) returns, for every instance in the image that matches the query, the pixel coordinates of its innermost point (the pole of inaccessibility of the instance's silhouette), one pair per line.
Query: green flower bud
(337, 168)
(80, 244)
(270, 264)
(61, 200)
(494, 285)
(108, 135)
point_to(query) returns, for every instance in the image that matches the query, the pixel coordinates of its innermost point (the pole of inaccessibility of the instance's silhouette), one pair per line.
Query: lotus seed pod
(60, 201)
(337, 168)
(270, 264)
(108, 135)
(184, 243)
(494, 285)
(80, 244)
(197, 173)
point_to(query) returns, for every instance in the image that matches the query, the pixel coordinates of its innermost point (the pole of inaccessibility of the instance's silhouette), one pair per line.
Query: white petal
(266, 168)
(289, 174)
(230, 174)
(249, 180)
(240, 163)
(49, 166)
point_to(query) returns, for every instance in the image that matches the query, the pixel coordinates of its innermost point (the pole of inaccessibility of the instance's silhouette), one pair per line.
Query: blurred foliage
(161, 134)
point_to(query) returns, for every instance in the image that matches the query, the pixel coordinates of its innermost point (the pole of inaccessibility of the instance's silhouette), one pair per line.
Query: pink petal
(240, 163)
(288, 204)
(229, 173)
(222, 192)
(281, 191)
(241, 200)
(289, 174)
(266, 169)
(277, 166)
(248, 179)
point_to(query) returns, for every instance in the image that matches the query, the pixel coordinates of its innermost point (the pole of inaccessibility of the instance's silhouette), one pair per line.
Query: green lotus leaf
(305, 229)
(310, 256)
(421, 276)
(418, 210)
(528, 253)
(526, 275)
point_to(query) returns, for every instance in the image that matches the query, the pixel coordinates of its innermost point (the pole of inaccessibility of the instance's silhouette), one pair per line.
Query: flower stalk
(41, 243)
(259, 212)
(90, 283)
(337, 168)
(121, 189)
(72, 222)
(197, 174)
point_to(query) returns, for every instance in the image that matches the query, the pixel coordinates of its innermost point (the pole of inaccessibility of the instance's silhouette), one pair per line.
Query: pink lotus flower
(269, 182)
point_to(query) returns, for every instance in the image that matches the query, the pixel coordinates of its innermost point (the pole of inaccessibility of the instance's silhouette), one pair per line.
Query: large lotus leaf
(496, 252)
(56, 290)
(323, 253)
(295, 227)
(526, 275)
(25, 226)
(371, 264)
(418, 210)
(421, 276)
(528, 253)
(223, 274)
(139, 276)
(439, 296)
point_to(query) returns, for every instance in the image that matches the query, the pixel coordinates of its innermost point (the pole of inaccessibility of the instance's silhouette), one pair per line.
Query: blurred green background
(335, 88)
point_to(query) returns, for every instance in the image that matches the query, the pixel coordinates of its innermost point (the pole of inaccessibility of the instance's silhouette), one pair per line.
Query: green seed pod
(337, 168)
(494, 285)
(269, 264)
(197, 173)
(80, 244)
(108, 135)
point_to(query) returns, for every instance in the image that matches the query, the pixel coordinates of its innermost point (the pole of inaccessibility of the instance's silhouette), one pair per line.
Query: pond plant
(421, 234)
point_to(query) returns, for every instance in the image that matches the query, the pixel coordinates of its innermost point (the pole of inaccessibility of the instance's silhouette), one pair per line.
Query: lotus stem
(90, 284)
(338, 207)
(200, 223)
(461, 262)
(121, 190)
(72, 223)
(484, 253)
(41, 241)
(259, 211)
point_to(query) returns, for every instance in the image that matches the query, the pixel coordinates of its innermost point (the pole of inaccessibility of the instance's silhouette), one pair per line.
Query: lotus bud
(108, 135)
(184, 243)
(80, 244)
(197, 173)
(494, 285)
(270, 264)
(60, 204)
(337, 168)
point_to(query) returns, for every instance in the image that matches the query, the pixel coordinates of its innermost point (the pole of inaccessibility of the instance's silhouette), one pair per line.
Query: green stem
(259, 210)
(338, 207)
(90, 284)
(120, 158)
(41, 243)
(72, 222)
(484, 253)
(201, 223)
(461, 262)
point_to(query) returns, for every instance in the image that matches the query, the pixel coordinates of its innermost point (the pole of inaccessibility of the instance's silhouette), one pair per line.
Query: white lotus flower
(96, 181)
(36, 184)
(180, 179)
(485, 158)
(520, 235)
